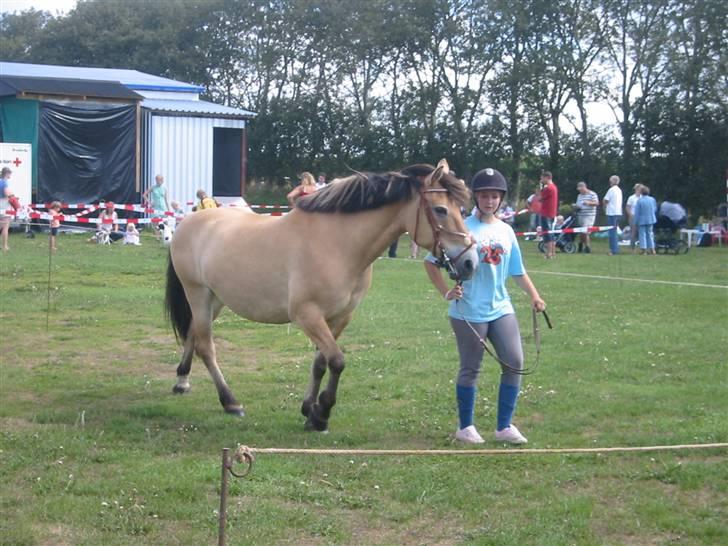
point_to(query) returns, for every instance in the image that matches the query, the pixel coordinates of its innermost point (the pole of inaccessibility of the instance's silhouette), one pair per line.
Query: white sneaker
(469, 435)
(510, 435)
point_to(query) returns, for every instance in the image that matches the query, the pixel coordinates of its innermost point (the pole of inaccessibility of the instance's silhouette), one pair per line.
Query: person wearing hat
(5, 194)
(483, 303)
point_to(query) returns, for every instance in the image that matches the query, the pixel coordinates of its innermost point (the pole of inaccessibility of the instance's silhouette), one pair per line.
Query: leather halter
(437, 229)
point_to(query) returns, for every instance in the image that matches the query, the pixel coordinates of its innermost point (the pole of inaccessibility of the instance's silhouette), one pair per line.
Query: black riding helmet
(489, 179)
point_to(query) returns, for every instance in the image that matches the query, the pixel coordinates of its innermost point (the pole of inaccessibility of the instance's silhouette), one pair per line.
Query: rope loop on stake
(243, 455)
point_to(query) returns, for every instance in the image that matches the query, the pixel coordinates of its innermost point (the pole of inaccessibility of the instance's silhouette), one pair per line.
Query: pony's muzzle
(465, 264)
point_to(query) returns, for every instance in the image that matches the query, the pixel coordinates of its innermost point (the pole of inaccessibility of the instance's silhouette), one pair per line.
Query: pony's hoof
(236, 411)
(317, 425)
(180, 390)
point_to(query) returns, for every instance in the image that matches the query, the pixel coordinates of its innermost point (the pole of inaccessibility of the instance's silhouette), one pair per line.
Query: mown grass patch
(96, 449)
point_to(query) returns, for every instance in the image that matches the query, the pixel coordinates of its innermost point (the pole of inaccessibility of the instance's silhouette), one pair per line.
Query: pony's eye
(440, 211)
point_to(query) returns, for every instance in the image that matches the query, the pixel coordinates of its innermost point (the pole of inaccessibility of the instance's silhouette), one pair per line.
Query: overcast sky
(53, 6)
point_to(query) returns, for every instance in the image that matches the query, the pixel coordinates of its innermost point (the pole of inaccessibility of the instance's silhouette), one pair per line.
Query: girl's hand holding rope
(538, 304)
(455, 293)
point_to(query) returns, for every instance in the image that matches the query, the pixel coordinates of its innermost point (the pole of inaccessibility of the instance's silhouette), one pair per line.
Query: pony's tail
(176, 306)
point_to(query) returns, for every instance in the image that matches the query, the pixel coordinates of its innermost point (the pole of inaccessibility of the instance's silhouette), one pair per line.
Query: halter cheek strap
(437, 229)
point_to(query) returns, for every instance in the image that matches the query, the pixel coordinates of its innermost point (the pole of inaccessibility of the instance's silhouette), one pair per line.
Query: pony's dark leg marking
(318, 417)
(318, 369)
(329, 355)
(183, 370)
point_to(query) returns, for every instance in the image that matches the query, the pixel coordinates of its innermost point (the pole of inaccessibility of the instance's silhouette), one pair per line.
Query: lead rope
(536, 339)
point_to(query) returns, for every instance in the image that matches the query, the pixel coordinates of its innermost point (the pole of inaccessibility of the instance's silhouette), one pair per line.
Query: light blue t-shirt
(485, 297)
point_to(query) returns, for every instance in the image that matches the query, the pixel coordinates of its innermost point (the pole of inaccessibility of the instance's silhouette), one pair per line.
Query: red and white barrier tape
(85, 220)
(565, 230)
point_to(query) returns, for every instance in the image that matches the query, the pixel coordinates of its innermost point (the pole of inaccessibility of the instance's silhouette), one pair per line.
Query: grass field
(94, 448)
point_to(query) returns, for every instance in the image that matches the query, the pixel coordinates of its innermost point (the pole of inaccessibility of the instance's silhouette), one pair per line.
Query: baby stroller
(564, 241)
(667, 236)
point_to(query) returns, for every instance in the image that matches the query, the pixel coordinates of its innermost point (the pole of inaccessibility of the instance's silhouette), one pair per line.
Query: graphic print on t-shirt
(492, 248)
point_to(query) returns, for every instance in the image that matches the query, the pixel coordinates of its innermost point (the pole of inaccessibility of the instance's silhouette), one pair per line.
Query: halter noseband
(437, 229)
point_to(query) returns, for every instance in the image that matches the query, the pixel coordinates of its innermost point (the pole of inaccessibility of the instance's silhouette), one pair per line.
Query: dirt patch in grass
(426, 528)
(15, 424)
(55, 534)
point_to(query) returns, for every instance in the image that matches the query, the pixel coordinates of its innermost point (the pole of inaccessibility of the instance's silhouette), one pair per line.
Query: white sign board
(19, 159)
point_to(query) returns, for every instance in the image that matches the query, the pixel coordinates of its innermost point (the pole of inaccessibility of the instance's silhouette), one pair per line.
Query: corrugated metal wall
(180, 149)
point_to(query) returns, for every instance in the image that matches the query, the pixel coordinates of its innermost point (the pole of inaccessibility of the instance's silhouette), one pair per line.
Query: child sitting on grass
(131, 236)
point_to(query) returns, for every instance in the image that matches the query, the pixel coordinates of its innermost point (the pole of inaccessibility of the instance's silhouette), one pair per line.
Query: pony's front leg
(319, 413)
(328, 356)
(318, 369)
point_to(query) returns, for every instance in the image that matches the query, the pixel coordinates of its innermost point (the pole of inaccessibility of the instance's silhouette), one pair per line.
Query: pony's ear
(441, 169)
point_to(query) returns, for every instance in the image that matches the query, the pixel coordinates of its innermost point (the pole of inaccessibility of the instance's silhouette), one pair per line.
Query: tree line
(344, 84)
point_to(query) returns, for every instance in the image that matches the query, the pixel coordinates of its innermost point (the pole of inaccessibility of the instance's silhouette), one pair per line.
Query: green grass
(96, 450)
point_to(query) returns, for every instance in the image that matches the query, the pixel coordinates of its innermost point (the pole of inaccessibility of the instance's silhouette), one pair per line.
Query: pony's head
(429, 200)
(437, 224)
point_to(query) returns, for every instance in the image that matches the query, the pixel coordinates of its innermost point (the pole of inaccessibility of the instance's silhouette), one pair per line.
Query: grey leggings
(505, 338)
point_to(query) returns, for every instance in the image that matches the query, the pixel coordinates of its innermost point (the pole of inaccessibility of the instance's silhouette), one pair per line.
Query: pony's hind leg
(205, 308)
(183, 370)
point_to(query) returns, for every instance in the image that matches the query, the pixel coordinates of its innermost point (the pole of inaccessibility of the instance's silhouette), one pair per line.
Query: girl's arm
(291, 197)
(438, 281)
(524, 282)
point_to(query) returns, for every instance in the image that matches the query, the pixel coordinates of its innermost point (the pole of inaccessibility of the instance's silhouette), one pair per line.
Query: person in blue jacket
(645, 214)
(483, 303)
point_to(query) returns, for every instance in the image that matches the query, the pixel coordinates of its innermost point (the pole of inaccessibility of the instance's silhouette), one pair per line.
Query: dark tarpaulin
(86, 153)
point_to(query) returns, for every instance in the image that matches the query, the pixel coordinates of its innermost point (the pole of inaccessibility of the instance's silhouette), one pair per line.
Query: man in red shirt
(549, 198)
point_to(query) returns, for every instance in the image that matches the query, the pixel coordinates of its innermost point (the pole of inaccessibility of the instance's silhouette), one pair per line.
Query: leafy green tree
(18, 33)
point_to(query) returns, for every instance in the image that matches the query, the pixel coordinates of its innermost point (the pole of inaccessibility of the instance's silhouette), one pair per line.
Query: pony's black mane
(367, 191)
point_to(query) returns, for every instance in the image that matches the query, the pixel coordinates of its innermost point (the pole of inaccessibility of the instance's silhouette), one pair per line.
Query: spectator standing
(629, 208)
(586, 214)
(321, 182)
(55, 211)
(392, 252)
(645, 211)
(613, 210)
(549, 199)
(533, 207)
(156, 199)
(5, 193)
